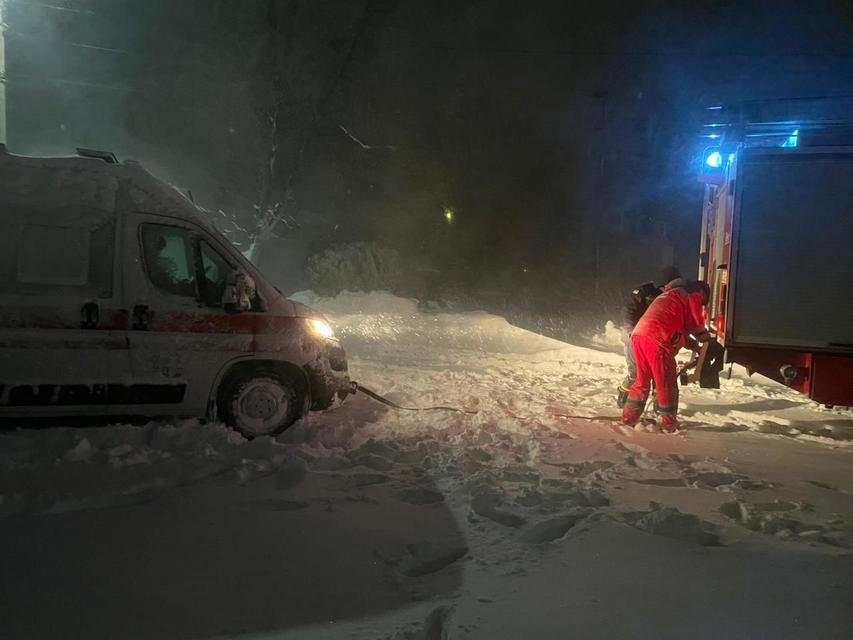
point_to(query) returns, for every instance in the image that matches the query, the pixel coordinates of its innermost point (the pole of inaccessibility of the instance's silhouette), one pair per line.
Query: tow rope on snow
(616, 419)
(357, 387)
(643, 416)
(591, 418)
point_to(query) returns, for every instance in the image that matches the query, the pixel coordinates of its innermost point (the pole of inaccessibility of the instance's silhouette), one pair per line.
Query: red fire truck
(777, 247)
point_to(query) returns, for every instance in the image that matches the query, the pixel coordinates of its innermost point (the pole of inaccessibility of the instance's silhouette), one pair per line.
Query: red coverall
(658, 336)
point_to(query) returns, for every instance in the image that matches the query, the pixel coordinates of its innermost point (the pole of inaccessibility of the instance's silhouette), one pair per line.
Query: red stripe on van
(117, 320)
(241, 323)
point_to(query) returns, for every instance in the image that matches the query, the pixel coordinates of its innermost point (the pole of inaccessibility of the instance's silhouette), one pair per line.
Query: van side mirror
(240, 290)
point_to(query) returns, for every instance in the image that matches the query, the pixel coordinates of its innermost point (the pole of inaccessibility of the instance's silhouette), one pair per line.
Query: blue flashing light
(792, 140)
(714, 160)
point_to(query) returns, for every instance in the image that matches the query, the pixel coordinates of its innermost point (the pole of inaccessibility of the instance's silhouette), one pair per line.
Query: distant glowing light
(714, 160)
(449, 215)
(792, 140)
(714, 136)
(731, 158)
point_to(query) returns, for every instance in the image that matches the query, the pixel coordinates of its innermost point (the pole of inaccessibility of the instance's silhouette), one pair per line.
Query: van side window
(216, 272)
(44, 259)
(167, 256)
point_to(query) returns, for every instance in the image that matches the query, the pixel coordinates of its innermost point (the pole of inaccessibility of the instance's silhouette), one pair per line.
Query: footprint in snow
(713, 480)
(672, 523)
(425, 558)
(420, 495)
(365, 479)
(374, 461)
(551, 529)
(664, 482)
(485, 505)
(520, 475)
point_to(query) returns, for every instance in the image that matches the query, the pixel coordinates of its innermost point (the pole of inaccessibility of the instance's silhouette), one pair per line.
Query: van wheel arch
(293, 379)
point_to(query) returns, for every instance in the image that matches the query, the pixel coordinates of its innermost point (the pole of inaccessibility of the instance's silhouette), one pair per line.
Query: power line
(52, 7)
(78, 45)
(77, 83)
(620, 53)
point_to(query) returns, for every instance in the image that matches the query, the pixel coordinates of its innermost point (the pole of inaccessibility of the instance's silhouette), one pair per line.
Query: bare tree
(287, 117)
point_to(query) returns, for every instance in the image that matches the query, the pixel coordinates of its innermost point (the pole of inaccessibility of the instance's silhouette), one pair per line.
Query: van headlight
(320, 328)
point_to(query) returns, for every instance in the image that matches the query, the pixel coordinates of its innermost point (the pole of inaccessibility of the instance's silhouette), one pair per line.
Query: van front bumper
(328, 376)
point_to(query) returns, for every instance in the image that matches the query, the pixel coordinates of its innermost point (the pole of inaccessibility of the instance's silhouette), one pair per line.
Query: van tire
(263, 403)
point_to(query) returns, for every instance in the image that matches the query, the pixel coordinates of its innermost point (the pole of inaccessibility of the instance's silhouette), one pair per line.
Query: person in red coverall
(664, 329)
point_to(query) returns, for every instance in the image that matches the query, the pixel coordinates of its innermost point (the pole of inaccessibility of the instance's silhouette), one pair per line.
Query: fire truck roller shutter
(793, 271)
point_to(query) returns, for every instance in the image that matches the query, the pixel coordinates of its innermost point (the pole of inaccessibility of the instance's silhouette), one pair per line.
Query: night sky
(563, 137)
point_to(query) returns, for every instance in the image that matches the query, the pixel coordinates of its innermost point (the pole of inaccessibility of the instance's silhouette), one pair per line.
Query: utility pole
(2, 77)
(601, 96)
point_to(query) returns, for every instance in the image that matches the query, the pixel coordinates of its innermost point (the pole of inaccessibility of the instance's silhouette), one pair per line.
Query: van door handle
(141, 317)
(89, 316)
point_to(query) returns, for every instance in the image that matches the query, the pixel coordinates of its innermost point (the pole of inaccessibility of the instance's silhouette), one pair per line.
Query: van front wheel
(261, 405)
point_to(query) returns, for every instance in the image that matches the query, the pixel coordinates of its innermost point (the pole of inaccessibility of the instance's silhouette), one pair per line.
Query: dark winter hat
(699, 286)
(667, 275)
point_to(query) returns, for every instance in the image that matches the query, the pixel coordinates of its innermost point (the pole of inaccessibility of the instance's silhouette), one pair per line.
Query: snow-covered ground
(519, 521)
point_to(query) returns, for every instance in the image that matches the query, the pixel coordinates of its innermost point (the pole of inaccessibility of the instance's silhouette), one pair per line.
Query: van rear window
(46, 259)
(53, 255)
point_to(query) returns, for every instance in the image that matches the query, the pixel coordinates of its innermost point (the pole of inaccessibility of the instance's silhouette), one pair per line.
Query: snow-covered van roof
(92, 183)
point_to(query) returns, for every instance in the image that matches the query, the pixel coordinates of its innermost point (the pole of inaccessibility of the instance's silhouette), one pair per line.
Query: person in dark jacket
(641, 298)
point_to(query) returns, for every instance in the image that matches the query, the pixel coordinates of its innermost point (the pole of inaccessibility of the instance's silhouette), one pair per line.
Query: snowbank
(365, 319)
(610, 338)
(355, 265)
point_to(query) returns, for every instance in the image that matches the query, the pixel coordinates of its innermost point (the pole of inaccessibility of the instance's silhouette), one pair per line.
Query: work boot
(631, 413)
(621, 396)
(668, 423)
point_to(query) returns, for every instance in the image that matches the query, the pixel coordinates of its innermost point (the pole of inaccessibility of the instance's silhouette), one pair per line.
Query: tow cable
(356, 387)
(590, 418)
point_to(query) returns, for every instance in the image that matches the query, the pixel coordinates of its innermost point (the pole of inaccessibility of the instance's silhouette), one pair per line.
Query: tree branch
(367, 147)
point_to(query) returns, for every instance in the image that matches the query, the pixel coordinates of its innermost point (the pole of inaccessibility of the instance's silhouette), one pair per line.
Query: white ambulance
(118, 297)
